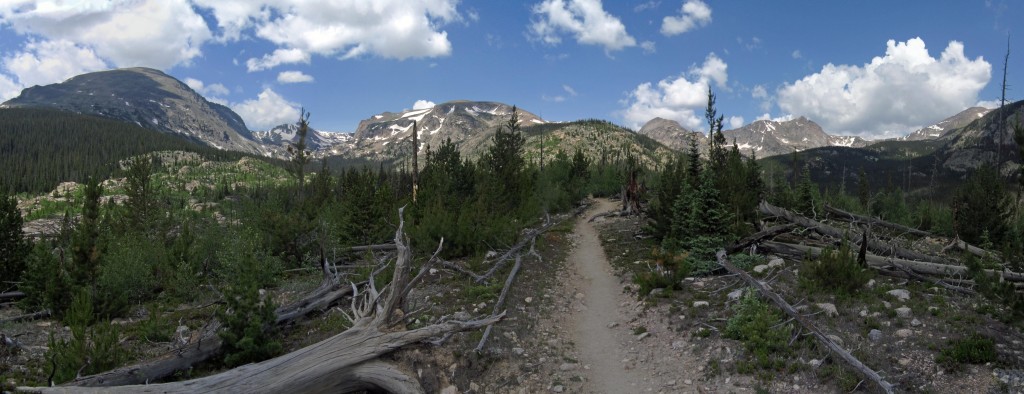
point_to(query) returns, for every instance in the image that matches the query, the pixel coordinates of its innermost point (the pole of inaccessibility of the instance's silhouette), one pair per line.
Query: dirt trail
(602, 296)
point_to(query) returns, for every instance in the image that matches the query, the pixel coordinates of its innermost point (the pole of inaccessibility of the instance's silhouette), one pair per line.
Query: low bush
(835, 272)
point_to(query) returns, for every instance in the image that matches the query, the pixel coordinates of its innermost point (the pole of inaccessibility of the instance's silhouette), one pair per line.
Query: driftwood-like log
(796, 252)
(874, 246)
(345, 362)
(959, 244)
(759, 236)
(806, 324)
(11, 296)
(26, 317)
(526, 239)
(852, 217)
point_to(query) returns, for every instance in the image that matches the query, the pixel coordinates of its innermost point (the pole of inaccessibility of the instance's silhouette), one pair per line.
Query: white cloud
(783, 118)
(153, 33)
(570, 90)
(423, 104)
(894, 93)
(694, 14)
(277, 58)
(646, 6)
(759, 92)
(556, 98)
(990, 104)
(8, 88)
(648, 47)
(269, 109)
(46, 62)
(393, 29)
(293, 77)
(586, 20)
(215, 89)
(735, 122)
(677, 98)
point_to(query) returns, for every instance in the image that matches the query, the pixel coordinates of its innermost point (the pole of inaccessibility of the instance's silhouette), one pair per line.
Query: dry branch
(501, 300)
(760, 236)
(11, 296)
(26, 317)
(346, 362)
(807, 325)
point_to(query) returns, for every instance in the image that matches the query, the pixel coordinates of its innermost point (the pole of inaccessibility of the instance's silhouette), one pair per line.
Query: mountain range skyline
(627, 62)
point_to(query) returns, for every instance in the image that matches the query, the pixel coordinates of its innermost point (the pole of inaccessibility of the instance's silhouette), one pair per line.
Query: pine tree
(980, 206)
(85, 246)
(864, 190)
(504, 166)
(716, 140)
(300, 157)
(141, 202)
(14, 249)
(805, 194)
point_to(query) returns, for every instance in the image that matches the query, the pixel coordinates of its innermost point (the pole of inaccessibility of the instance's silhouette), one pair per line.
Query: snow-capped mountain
(953, 122)
(763, 137)
(672, 134)
(319, 143)
(148, 98)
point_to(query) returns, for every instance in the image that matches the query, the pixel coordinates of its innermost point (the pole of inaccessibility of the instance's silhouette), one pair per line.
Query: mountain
(984, 140)
(147, 98)
(672, 134)
(953, 122)
(319, 143)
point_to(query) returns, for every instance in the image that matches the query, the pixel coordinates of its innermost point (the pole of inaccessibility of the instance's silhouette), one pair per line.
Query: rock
(182, 333)
(580, 296)
(870, 284)
(829, 309)
(528, 300)
(761, 268)
(863, 313)
(875, 335)
(450, 390)
(903, 312)
(474, 387)
(904, 333)
(836, 339)
(657, 292)
(567, 367)
(482, 305)
(735, 294)
(904, 361)
(433, 271)
(558, 388)
(900, 294)
(518, 351)
(642, 336)
(688, 381)
(915, 323)
(700, 304)
(775, 263)
(613, 324)
(815, 363)
(886, 304)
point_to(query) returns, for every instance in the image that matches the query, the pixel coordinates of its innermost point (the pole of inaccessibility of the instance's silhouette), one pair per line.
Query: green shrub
(91, 348)
(757, 324)
(835, 272)
(974, 349)
(126, 275)
(248, 331)
(670, 269)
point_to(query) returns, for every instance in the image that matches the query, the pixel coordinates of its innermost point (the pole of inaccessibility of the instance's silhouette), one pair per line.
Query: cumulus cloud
(153, 33)
(8, 88)
(735, 122)
(894, 93)
(681, 98)
(267, 110)
(393, 29)
(46, 62)
(277, 58)
(215, 89)
(759, 92)
(990, 104)
(585, 20)
(568, 89)
(423, 104)
(694, 14)
(796, 54)
(294, 77)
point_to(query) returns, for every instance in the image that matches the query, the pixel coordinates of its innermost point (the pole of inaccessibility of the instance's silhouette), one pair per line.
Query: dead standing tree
(346, 362)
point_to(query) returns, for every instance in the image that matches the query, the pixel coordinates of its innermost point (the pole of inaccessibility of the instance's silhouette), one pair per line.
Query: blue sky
(869, 68)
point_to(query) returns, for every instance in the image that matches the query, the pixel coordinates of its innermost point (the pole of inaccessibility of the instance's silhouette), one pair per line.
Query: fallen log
(11, 296)
(877, 247)
(526, 239)
(760, 236)
(26, 317)
(797, 252)
(852, 217)
(346, 362)
(807, 325)
(959, 244)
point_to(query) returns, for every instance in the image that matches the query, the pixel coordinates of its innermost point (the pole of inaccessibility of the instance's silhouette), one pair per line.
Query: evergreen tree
(86, 249)
(693, 165)
(300, 157)
(716, 140)
(806, 194)
(141, 204)
(980, 206)
(504, 166)
(863, 189)
(14, 249)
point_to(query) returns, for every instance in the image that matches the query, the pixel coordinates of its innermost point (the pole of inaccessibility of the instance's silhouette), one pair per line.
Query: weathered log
(759, 236)
(529, 237)
(875, 246)
(959, 244)
(852, 217)
(26, 317)
(797, 252)
(343, 363)
(11, 296)
(806, 324)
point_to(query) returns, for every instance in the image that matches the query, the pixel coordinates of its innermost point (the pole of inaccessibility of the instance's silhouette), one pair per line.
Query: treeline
(40, 148)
